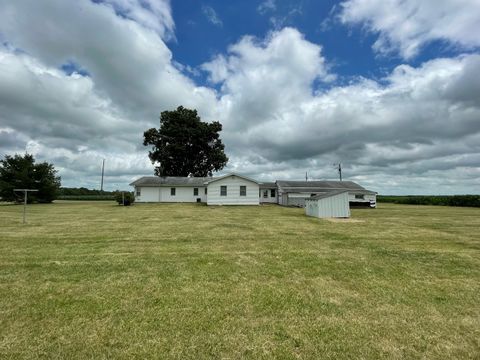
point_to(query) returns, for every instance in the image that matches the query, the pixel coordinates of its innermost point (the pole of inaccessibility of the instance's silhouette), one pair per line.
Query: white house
(333, 204)
(231, 189)
(268, 193)
(170, 189)
(236, 189)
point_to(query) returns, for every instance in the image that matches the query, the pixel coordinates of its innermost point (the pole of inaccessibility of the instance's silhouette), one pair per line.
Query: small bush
(124, 198)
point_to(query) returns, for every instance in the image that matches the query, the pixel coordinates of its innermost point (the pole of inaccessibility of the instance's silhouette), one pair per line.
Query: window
(205, 191)
(272, 192)
(195, 191)
(243, 190)
(172, 191)
(265, 193)
(223, 190)
(359, 196)
(138, 192)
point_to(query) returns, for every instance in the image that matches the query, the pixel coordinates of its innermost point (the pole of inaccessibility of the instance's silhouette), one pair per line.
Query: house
(268, 193)
(333, 204)
(294, 193)
(231, 189)
(236, 189)
(170, 189)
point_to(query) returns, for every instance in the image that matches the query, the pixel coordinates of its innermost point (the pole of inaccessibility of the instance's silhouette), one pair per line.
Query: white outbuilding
(333, 204)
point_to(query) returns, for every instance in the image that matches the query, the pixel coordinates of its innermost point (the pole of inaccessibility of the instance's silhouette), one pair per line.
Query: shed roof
(327, 195)
(170, 180)
(320, 186)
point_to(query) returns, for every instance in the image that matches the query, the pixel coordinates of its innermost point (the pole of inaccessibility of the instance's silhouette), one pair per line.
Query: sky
(388, 88)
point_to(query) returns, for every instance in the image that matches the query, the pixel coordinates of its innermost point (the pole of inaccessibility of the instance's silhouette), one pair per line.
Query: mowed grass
(187, 281)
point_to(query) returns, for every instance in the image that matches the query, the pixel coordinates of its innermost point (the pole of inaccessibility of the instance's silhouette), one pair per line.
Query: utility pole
(25, 192)
(339, 170)
(306, 176)
(103, 170)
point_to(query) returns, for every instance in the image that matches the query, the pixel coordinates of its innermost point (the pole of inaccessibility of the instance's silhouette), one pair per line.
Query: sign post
(25, 191)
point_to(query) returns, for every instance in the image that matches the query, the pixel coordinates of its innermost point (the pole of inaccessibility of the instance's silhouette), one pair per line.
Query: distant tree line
(441, 200)
(83, 193)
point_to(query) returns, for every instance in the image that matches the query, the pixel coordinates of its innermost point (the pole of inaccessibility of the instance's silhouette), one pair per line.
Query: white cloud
(407, 25)
(212, 15)
(153, 14)
(416, 130)
(260, 78)
(278, 125)
(266, 6)
(131, 80)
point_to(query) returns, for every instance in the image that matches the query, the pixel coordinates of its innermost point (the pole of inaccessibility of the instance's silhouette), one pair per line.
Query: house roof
(320, 186)
(170, 180)
(283, 186)
(210, 180)
(327, 195)
(267, 185)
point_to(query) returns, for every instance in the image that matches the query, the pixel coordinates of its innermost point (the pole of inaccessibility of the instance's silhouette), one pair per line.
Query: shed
(333, 204)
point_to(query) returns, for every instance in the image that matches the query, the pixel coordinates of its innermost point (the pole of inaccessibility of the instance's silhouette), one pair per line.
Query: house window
(272, 192)
(195, 191)
(138, 192)
(205, 191)
(243, 190)
(359, 196)
(223, 190)
(265, 194)
(172, 191)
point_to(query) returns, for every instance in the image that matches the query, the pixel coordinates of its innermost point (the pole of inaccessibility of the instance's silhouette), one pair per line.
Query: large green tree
(184, 145)
(21, 172)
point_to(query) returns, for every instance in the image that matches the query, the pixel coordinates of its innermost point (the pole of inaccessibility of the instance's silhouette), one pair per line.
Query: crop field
(94, 280)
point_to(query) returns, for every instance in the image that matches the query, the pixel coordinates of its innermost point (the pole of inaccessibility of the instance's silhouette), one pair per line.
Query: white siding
(182, 194)
(147, 194)
(162, 194)
(269, 199)
(233, 197)
(335, 206)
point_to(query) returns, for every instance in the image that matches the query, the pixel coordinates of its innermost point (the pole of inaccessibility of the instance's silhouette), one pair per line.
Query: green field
(96, 280)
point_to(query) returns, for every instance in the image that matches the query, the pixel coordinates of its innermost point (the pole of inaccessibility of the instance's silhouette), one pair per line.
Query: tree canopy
(21, 172)
(184, 145)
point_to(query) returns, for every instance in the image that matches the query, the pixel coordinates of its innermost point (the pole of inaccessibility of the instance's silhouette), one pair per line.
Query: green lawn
(96, 280)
